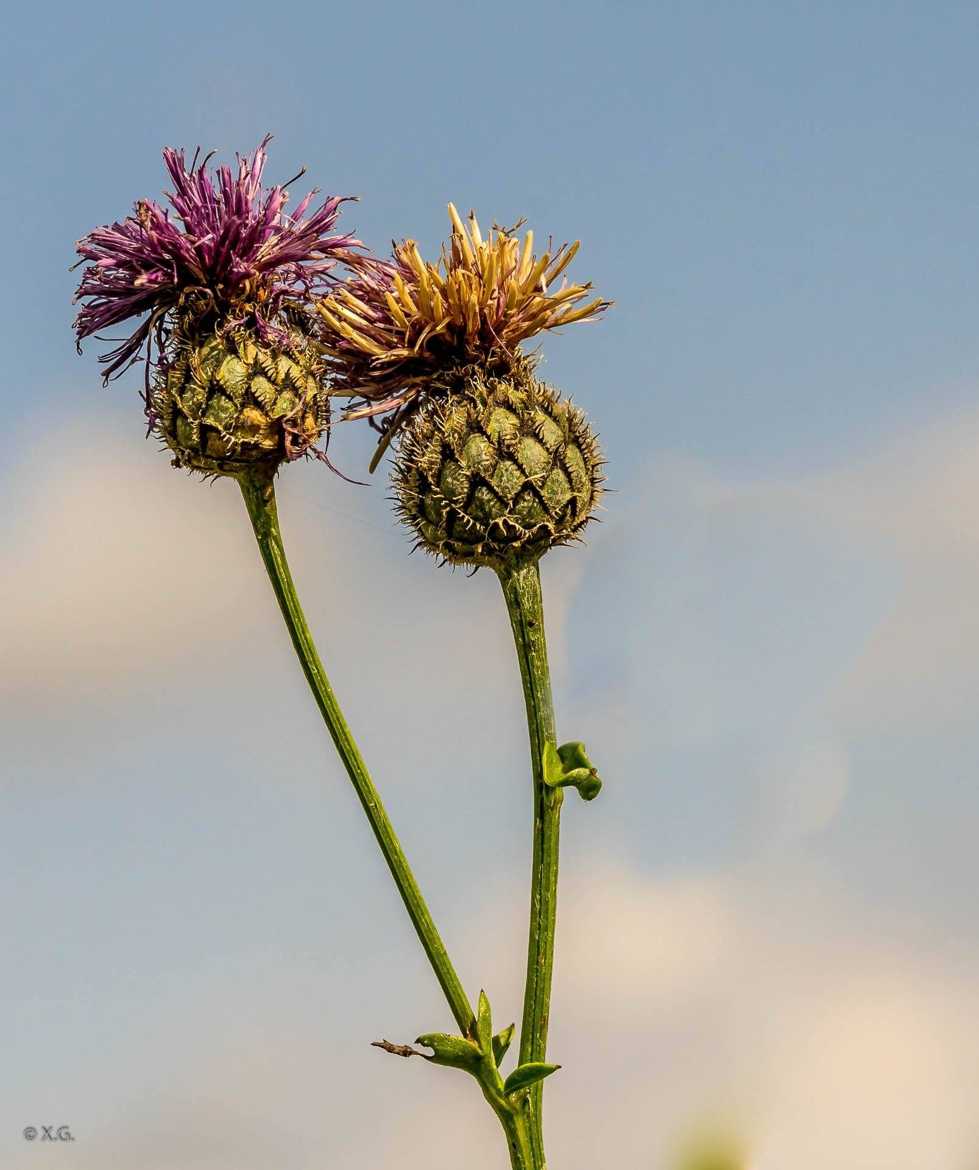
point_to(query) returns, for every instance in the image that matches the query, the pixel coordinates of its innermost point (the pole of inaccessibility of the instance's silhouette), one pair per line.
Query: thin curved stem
(259, 494)
(522, 591)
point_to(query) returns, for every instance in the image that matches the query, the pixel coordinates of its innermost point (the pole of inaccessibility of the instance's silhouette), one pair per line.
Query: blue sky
(770, 644)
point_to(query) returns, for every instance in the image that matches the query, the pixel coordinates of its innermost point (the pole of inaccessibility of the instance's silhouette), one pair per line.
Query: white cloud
(120, 568)
(678, 1002)
(759, 629)
(803, 786)
(878, 1072)
(116, 566)
(681, 1001)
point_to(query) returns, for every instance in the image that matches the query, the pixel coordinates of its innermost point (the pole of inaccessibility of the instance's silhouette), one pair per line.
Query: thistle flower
(219, 279)
(493, 467)
(402, 327)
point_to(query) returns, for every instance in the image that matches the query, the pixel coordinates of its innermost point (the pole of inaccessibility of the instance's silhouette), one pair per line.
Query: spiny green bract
(227, 401)
(497, 471)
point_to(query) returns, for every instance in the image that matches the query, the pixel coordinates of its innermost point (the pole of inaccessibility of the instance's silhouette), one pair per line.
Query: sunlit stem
(259, 494)
(522, 590)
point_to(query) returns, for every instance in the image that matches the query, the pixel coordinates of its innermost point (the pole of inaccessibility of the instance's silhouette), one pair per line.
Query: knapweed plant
(251, 321)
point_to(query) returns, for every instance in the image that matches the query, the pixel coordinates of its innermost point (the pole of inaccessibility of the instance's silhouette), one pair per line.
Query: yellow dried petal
(367, 344)
(489, 274)
(349, 297)
(327, 316)
(395, 310)
(474, 230)
(562, 260)
(526, 257)
(402, 290)
(414, 258)
(572, 292)
(459, 233)
(349, 315)
(588, 310)
(532, 278)
(423, 288)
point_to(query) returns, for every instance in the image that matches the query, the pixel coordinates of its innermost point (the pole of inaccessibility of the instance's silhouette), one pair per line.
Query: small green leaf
(590, 788)
(573, 755)
(586, 781)
(528, 1074)
(569, 766)
(484, 1024)
(501, 1042)
(453, 1051)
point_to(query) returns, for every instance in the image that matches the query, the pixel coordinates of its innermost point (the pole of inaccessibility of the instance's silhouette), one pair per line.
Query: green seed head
(497, 471)
(227, 401)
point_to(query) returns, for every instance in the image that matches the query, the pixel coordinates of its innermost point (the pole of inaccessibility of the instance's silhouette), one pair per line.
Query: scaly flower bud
(227, 401)
(498, 471)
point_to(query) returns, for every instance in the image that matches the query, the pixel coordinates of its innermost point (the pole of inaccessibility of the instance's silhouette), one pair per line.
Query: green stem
(521, 588)
(518, 1127)
(259, 493)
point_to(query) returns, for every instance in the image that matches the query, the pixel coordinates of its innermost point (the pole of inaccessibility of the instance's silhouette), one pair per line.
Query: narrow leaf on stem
(501, 1042)
(452, 1051)
(484, 1024)
(527, 1075)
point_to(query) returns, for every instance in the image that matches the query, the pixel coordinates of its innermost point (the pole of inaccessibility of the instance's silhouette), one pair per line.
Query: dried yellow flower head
(387, 334)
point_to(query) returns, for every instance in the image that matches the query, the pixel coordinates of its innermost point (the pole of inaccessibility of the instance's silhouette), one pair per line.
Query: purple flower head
(225, 243)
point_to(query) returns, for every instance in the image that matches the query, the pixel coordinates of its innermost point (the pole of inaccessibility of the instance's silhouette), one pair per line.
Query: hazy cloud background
(770, 644)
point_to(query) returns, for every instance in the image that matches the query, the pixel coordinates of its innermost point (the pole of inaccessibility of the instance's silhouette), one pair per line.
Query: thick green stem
(518, 1127)
(521, 588)
(259, 493)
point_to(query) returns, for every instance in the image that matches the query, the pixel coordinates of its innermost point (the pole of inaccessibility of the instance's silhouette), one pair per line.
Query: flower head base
(226, 250)
(401, 330)
(227, 403)
(498, 472)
